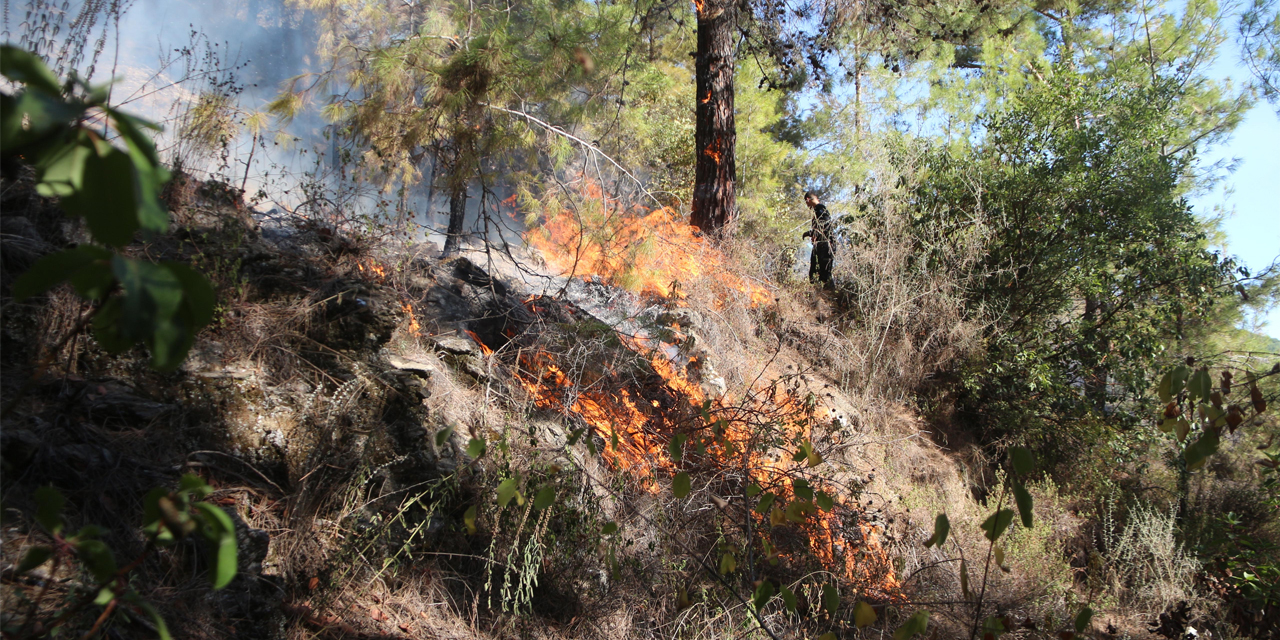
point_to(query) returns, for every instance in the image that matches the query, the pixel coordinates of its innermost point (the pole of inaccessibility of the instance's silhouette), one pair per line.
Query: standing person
(820, 261)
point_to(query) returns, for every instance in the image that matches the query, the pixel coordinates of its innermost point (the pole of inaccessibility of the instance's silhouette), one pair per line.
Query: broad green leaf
(800, 487)
(863, 614)
(147, 313)
(1181, 428)
(830, 599)
(1023, 461)
(476, 448)
(1167, 425)
(507, 491)
(917, 623)
(23, 66)
(1179, 381)
(35, 123)
(609, 528)
(106, 326)
(814, 458)
(148, 179)
(964, 579)
(1199, 385)
(469, 519)
(442, 436)
(574, 435)
(130, 129)
(830, 635)
(162, 629)
(197, 294)
(105, 596)
(762, 595)
(1023, 499)
(941, 529)
(1164, 390)
(97, 557)
(545, 498)
(221, 532)
(753, 490)
(798, 509)
(1200, 450)
(996, 523)
(107, 199)
(1083, 618)
(728, 564)
(999, 555)
(62, 170)
(676, 446)
(49, 503)
(680, 485)
(87, 532)
(1216, 416)
(152, 523)
(788, 598)
(58, 267)
(195, 485)
(766, 501)
(34, 557)
(777, 516)
(825, 501)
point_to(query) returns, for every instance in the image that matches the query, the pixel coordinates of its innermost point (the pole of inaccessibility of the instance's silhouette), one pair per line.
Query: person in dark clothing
(822, 233)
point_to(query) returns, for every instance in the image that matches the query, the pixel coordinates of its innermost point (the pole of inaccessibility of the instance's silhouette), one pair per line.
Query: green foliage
(1094, 249)
(1259, 33)
(116, 191)
(918, 623)
(168, 518)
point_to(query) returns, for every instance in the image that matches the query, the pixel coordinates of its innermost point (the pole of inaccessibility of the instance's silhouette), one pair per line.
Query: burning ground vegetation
(416, 446)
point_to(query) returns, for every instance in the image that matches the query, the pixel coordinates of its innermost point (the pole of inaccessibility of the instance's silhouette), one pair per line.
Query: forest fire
(372, 268)
(644, 250)
(648, 418)
(413, 328)
(648, 415)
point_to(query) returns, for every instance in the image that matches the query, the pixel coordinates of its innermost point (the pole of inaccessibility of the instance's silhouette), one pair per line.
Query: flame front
(644, 250)
(636, 415)
(636, 422)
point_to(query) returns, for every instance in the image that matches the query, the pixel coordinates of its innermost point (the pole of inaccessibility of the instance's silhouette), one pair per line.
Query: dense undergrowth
(335, 402)
(682, 438)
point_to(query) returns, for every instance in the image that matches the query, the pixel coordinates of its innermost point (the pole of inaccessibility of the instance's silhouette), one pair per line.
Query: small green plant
(1022, 467)
(68, 133)
(169, 517)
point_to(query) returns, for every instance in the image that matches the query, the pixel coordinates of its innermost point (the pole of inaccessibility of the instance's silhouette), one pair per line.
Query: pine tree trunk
(457, 215)
(715, 133)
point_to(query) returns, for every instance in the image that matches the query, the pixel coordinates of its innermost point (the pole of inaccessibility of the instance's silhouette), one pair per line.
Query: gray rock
(425, 367)
(456, 345)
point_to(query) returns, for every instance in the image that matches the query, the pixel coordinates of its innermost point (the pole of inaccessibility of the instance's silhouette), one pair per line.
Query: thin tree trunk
(457, 215)
(715, 132)
(1095, 383)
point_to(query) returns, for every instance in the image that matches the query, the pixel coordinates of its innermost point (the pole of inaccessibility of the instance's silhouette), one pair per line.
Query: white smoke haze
(167, 56)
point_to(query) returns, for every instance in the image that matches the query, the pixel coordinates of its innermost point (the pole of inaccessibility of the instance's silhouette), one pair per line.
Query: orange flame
(644, 250)
(655, 252)
(483, 347)
(637, 423)
(707, 98)
(714, 155)
(372, 268)
(414, 328)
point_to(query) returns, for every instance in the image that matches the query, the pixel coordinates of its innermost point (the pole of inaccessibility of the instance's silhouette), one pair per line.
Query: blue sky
(1252, 191)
